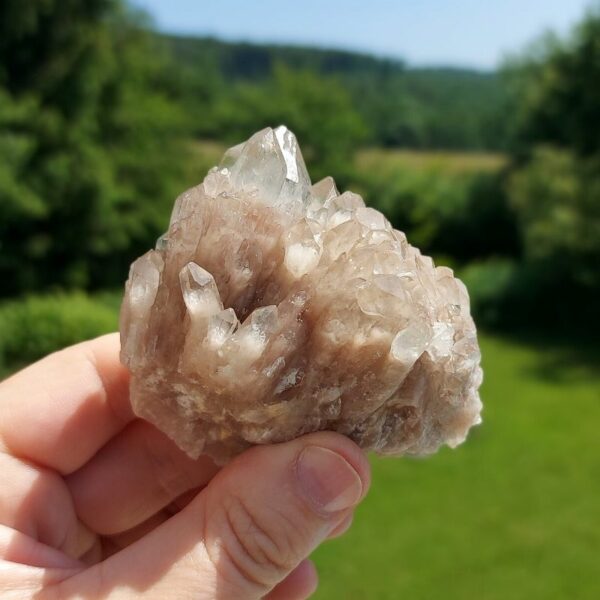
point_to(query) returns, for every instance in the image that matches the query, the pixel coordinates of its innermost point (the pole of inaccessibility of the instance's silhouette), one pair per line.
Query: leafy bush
(488, 283)
(447, 211)
(316, 108)
(553, 99)
(556, 198)
(34, 326)
(92, 152)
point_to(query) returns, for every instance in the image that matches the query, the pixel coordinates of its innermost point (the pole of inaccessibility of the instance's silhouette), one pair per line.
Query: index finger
(59, 411)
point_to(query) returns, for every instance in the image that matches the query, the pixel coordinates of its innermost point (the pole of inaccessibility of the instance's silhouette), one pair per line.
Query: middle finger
(134, 476)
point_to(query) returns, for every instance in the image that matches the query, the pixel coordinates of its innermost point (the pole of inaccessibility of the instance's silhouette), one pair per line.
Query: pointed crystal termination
(199, 290)
(272, 308)
(270, 165)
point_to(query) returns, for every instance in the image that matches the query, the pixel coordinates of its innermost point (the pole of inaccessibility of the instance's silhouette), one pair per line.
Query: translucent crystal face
(272, 308)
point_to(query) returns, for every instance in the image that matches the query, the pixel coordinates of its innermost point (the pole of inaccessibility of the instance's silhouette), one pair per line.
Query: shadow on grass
(560, 358)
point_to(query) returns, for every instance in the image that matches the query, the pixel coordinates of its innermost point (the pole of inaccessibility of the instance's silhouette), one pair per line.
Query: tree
(316, 108)
(556, 100)
(554, 187)
(556, 197)
(89, 143)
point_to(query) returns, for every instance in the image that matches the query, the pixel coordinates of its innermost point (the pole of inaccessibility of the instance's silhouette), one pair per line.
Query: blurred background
(475, 127)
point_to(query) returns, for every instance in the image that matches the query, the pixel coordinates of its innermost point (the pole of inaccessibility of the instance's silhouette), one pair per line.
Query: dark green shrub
(445, 211)
(489, 283)
(556, 198)
(34, 326)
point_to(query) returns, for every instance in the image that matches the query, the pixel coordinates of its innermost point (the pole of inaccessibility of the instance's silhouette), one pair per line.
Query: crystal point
(273, 307)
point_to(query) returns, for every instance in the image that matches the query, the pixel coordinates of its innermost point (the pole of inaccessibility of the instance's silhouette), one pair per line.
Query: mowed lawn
(512, 514)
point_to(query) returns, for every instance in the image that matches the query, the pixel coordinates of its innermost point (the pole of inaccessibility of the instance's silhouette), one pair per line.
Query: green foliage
(401, 106)
(489, 282)
(317, 109)
(100, 128)
(554, 181)
(557, 201)
(555, 97)
(450, 207)
(34, 326)
(89, 143)
(434, 108)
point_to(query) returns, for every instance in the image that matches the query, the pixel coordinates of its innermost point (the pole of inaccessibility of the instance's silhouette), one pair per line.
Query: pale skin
(95, 503)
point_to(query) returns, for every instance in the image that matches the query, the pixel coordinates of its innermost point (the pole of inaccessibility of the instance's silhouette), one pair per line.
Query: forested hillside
(103, 121)
(448, 108)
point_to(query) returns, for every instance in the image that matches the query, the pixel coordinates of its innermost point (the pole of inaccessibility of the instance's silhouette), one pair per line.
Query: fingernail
(328, 480)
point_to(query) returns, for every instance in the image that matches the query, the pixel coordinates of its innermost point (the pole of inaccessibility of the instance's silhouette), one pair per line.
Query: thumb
(250, 529)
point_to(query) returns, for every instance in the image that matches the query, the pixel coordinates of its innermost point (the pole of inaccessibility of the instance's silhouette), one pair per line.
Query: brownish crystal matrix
(273, 308)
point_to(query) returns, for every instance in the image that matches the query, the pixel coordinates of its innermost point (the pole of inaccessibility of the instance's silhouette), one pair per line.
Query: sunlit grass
(512, 514)
(439, 161)
(208, 153)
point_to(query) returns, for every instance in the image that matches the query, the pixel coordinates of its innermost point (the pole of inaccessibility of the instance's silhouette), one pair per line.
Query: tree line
(98, 114)
(398, 105)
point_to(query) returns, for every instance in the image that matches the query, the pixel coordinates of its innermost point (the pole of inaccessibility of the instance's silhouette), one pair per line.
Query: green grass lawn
(513, 513)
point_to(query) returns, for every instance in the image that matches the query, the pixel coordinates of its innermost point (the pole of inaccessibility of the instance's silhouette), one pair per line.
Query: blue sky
(474, 33)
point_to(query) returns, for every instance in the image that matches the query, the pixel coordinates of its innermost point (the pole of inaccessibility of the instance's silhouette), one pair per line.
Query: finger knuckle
(262, 548)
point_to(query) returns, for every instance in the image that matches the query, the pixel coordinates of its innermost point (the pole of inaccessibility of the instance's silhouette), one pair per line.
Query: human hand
(95, 503)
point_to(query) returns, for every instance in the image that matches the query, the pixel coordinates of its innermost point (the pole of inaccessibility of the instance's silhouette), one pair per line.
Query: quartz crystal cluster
(272, 308)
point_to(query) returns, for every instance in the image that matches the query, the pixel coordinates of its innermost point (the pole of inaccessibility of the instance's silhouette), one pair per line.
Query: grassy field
(512, 514)
(450, 163)
(208, 153)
